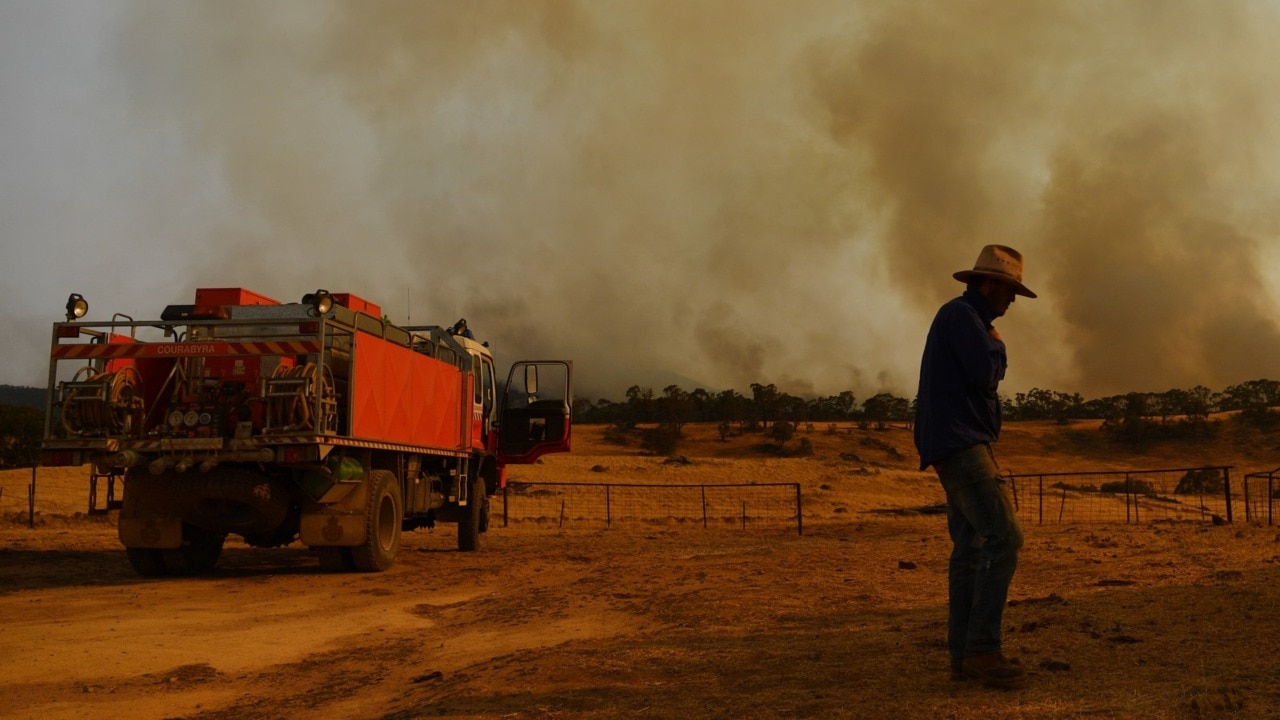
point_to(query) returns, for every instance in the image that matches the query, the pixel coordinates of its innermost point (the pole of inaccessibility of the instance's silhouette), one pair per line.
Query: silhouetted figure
(957, 419)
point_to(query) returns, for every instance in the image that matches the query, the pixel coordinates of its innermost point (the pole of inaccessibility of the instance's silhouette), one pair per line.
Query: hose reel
(291, 393)
(102, 404)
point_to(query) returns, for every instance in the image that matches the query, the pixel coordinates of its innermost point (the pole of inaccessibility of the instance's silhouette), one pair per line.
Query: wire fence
(1261, 491)
(1199, 494)
(25, 494)
(1130, 496)
(742, 506)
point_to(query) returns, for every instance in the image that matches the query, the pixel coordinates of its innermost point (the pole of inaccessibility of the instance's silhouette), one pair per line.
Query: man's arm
(978, 348)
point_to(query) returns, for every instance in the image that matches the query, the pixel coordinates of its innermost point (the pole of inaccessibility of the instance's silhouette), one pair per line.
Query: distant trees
(1254, 399)
(1040, 404)
(766, 407)
(1134, 416)
(885, 407)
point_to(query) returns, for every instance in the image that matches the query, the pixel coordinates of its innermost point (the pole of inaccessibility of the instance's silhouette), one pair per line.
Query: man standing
(957, 419)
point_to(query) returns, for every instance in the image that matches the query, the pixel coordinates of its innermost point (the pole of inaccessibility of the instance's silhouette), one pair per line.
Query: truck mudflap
(157, 531)
(338, 524)
(332, 526)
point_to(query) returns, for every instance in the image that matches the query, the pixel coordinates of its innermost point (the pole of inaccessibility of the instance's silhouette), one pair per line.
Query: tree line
(767, 404)
(1131, 416)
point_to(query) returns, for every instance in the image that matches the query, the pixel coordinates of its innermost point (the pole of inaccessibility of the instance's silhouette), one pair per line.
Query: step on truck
(316, 421)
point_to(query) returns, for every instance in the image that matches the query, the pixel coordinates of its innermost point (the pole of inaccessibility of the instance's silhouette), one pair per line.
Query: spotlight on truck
(77, 307)
(321, 300)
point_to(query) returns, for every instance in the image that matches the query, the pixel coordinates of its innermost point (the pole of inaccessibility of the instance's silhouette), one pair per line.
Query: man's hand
(995, 335)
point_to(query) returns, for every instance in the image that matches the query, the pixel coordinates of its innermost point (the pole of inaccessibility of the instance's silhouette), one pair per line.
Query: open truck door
(534, 417)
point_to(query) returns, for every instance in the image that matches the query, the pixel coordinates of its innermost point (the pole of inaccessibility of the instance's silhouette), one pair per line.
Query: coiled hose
(291, 411)
(103, 403)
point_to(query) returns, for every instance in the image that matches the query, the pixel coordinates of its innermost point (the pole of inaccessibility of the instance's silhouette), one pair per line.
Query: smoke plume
(720, 193)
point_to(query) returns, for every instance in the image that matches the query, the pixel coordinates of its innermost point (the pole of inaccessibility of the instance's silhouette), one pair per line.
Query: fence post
(799, 513)
(1041, 500)
(703, 488)
(744, 514)
(608, 506)
(1226, 483)
(1248, 508)
(504, 506)
(31, 500)
(1128, 499)
(562, 514)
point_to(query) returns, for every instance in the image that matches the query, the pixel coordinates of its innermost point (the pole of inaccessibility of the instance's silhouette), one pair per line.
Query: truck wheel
(484, 516)
(198, 554)
(382, 520)
(335, 559)
(473, 517)
(147, 562)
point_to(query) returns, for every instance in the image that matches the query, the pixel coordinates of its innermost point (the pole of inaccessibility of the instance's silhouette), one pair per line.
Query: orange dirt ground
(664, 620)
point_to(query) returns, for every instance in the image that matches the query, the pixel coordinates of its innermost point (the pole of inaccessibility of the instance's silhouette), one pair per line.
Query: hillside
(26, 396)
(1025, 447)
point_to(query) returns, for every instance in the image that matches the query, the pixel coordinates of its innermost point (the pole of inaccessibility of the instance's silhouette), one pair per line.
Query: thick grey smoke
(1126, 148)
(721, 193)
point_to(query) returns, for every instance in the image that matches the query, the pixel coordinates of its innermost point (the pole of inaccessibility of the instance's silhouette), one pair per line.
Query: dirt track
(664, 624)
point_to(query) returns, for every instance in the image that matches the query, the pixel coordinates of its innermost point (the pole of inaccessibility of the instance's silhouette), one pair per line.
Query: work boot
(995, 671)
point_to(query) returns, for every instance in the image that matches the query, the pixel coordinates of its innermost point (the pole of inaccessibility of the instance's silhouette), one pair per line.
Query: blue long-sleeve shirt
(956, 404)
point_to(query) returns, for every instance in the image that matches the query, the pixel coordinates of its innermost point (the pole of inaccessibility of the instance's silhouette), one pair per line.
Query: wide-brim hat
(998, 262)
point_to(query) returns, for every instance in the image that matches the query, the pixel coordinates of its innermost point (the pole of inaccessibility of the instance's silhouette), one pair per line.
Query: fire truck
(316, 421)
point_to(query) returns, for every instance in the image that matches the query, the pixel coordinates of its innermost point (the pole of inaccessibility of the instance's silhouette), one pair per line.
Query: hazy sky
(706, 193)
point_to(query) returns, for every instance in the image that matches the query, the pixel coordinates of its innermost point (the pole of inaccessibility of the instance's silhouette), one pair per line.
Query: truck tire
(147, 562)
(473, 519)
(198, 554)
(383, 515)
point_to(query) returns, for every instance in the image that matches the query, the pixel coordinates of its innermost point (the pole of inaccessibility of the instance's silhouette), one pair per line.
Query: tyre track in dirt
(87, 633)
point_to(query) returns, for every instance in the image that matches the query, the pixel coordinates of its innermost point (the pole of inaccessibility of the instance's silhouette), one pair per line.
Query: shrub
(1201, 481)
(619, 433)
(1137, 487)
(661, 440)
(726, 430)
(781, 432)
(1259, 417)
(804, 447)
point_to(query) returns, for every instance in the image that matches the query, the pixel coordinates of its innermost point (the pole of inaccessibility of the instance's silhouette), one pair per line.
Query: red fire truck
(317, 421)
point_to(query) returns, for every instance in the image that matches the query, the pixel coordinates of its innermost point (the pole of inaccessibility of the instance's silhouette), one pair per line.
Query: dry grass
(1151, 620)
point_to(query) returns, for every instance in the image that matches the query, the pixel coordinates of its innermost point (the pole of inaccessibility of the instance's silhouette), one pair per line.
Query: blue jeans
(986, 538)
